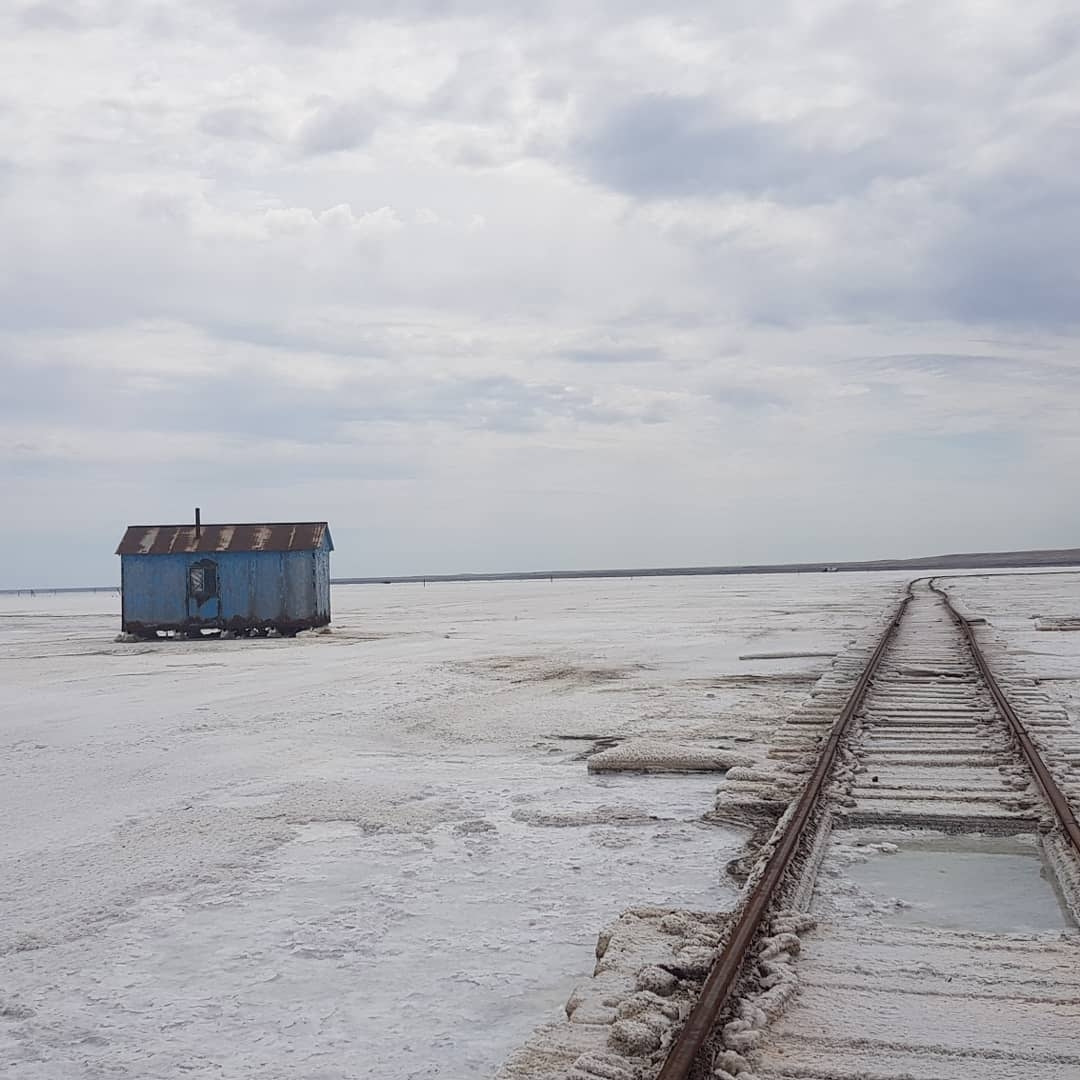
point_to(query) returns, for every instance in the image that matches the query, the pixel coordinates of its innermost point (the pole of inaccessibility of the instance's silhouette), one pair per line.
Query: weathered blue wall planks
(192, 590)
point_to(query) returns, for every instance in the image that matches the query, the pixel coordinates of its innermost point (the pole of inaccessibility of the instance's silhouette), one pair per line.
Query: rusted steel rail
(1043, 777)
(718, 986)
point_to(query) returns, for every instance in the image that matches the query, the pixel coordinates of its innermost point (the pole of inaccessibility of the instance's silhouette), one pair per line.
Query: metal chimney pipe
(198, 523)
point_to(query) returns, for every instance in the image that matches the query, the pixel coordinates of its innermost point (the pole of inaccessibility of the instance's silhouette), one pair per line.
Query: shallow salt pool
(966, 883)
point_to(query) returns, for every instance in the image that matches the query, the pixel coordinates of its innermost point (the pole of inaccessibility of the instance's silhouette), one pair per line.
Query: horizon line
(959, 560)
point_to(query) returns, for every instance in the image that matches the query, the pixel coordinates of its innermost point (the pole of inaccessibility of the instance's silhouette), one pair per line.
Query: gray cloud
(665, 146)
(286, 16)
(245, 404)
(238, 122)
(616, 354)
(52, 16)
(1012, 256)
(958, 364)
(748, 399)
(335, 126)
(7, 171)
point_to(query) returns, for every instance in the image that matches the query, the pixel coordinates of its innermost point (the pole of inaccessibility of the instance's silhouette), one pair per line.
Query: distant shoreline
(985, 560)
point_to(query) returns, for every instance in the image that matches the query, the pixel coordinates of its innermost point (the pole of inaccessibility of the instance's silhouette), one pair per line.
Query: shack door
(203, 593)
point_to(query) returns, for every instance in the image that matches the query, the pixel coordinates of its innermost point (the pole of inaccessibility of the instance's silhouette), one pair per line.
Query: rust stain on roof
(181, 539)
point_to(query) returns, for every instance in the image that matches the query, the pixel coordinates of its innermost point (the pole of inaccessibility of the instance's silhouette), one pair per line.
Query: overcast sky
(502, 285)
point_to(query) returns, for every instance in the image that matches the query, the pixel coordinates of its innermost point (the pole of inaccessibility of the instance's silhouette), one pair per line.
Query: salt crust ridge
(651, 962)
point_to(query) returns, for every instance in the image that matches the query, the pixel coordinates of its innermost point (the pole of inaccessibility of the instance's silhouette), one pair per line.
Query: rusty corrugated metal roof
(181, 539)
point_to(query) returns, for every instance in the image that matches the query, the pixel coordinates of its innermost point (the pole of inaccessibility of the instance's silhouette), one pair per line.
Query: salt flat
(375, 853)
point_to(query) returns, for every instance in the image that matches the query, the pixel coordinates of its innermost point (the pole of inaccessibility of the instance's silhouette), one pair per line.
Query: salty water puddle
(975, 883)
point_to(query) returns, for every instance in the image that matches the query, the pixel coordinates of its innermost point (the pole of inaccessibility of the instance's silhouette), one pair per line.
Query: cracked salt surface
(367, 853)
(366, 953)
(467, 918)
(976, 883)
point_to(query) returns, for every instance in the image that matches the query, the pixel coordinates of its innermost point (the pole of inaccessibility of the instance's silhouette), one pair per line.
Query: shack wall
(154, 589)
(287, 589)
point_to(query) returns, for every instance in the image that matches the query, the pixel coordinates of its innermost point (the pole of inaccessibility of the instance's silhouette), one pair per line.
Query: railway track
(929, 783)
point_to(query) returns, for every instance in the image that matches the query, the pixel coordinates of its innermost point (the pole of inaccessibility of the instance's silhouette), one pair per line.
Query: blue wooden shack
(248, 579)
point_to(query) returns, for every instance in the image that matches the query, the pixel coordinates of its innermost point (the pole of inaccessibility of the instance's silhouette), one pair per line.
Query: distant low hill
(980, 560)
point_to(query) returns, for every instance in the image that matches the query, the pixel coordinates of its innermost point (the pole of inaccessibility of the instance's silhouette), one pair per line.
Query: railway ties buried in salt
(981, 977)
(932, 749)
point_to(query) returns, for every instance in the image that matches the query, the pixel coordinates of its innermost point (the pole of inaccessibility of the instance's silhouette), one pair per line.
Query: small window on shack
(202, 580)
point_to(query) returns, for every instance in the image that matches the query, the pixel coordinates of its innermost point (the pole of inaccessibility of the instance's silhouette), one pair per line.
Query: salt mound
(649, 755)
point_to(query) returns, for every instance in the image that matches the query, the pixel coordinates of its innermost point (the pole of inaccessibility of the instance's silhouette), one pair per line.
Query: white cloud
(290, 219)
(382, 221)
